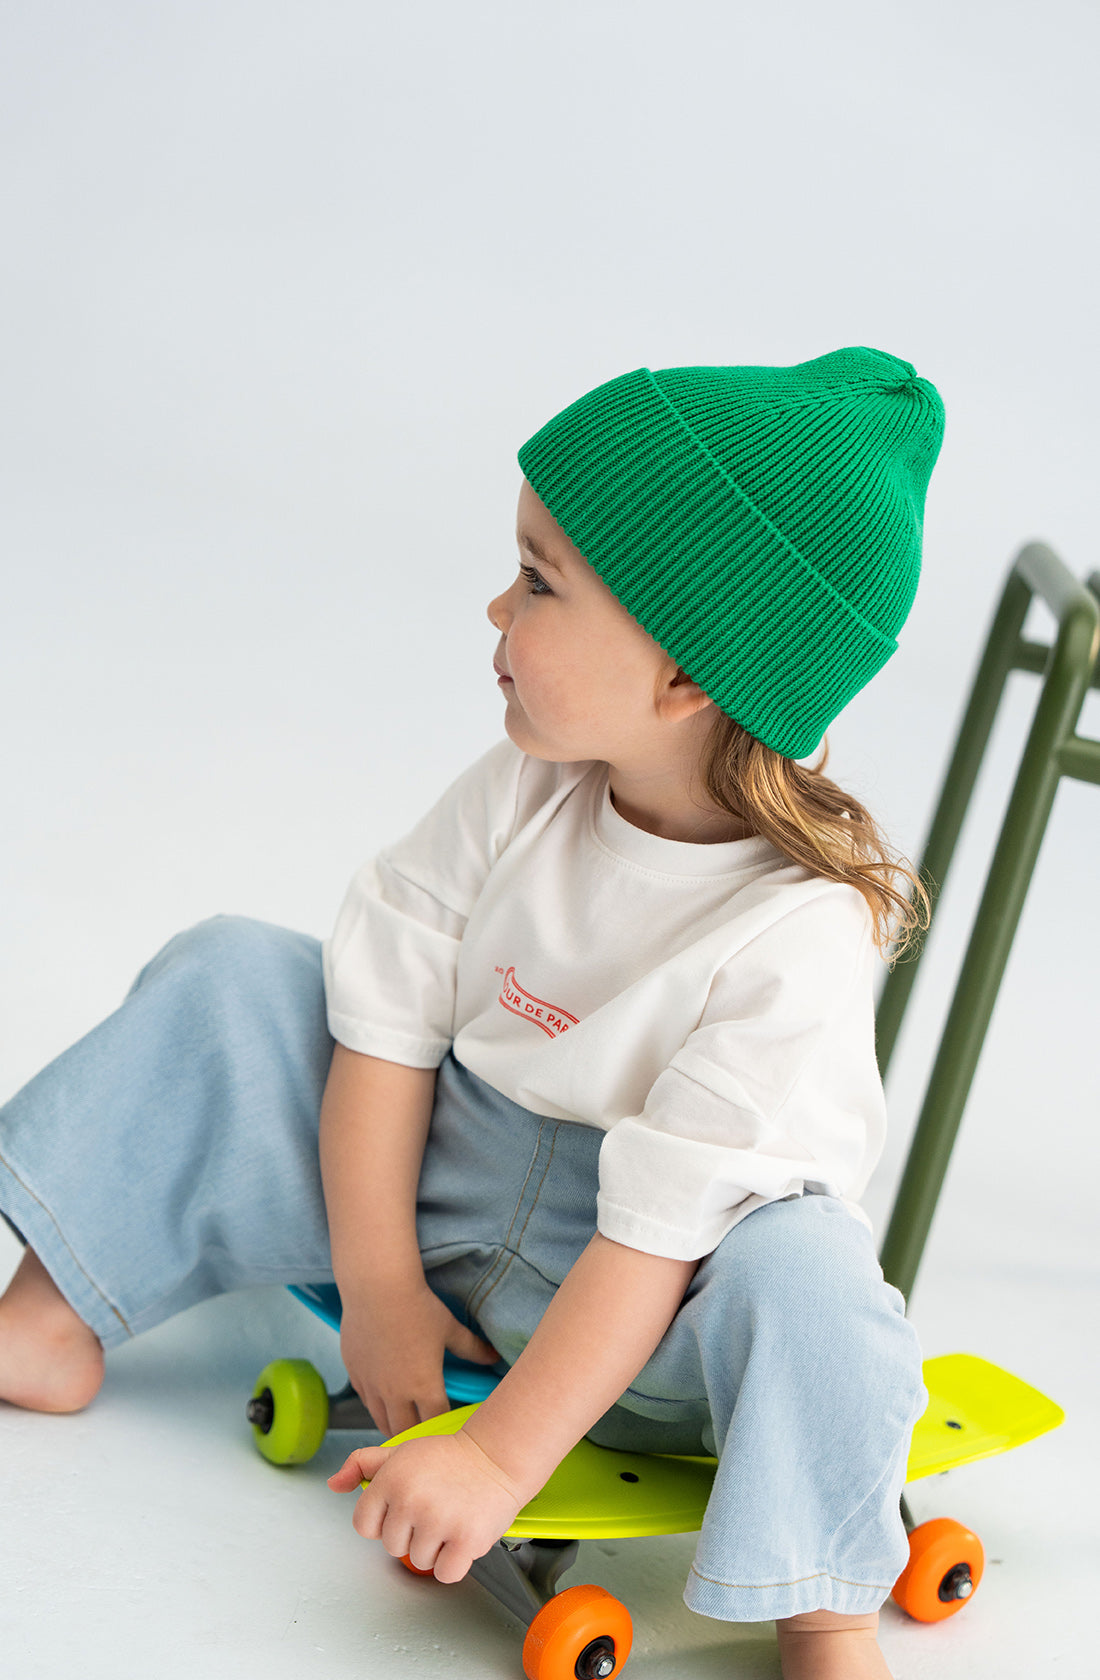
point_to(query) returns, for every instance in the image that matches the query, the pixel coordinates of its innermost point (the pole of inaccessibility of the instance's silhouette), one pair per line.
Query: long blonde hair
(817, 824)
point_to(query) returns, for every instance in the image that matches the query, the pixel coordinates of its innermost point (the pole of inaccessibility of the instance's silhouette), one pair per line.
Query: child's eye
(538, 583)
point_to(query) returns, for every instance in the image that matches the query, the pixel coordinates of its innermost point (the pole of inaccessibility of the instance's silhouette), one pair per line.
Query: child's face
(580, 676)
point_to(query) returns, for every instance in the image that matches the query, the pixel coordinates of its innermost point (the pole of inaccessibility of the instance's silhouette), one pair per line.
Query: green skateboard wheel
(289, 1411)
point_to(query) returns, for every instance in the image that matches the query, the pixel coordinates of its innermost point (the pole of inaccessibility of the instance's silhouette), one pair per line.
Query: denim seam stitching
(512, 1253)
(768, 1586)
(475, 1297)
(75, 1259)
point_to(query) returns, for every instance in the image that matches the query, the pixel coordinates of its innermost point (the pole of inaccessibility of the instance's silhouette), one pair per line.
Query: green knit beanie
(763, 524)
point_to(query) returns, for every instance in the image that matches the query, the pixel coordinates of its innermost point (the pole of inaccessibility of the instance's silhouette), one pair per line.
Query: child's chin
(529, 741)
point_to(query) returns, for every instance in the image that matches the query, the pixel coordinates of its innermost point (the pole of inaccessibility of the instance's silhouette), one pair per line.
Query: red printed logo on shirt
(548, 1016)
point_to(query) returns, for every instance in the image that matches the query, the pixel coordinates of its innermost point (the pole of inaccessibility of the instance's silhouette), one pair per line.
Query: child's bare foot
(49, 1359)
(824, 1646)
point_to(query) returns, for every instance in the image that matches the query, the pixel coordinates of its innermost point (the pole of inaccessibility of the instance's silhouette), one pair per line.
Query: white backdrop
(283, 287)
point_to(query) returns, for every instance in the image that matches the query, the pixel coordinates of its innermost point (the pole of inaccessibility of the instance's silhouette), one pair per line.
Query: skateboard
(975, 1410)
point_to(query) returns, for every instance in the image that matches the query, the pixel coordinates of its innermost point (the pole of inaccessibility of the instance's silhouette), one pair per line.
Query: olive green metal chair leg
(1052, 751)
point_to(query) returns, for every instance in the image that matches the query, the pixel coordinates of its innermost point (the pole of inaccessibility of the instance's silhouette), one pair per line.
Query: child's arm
(374, 1124)
(448, 1499)
(598, 1331)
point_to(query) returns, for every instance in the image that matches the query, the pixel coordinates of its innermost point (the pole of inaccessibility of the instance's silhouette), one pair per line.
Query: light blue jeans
(171, 1155)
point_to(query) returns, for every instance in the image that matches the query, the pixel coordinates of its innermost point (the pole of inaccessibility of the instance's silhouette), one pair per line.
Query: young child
(603, 1091)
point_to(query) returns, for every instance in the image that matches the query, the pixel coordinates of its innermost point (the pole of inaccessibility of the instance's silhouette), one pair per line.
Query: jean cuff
(733, 1602)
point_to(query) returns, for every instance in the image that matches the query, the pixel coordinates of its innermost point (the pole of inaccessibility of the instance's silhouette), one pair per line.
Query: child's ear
(679, 697)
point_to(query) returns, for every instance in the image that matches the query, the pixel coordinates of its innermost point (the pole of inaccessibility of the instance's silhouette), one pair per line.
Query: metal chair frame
(1053, 749)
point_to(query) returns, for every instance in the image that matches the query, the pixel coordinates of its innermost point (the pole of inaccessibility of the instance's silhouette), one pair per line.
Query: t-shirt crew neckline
(671, 857)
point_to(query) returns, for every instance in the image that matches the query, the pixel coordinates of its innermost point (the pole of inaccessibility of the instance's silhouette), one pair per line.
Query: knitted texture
(763, 524)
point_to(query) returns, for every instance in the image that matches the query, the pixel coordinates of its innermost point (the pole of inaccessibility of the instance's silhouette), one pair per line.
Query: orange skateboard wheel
(945, 1565)
(581, 1634)
(411, 1566)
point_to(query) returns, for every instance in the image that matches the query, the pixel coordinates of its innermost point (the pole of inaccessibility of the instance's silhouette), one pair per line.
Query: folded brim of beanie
(620, 471)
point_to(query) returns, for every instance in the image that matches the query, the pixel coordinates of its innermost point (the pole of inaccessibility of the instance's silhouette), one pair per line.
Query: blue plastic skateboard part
(465, 1383)
(322, 1299)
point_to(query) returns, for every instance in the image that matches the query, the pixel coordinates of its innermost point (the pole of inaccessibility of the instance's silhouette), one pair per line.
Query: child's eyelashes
(538, 583)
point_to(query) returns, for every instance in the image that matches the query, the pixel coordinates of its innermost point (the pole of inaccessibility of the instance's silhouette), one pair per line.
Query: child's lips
(502, 676)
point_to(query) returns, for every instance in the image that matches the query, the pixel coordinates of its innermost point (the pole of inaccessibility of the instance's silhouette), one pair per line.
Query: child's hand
(439, 1500)
(393, 1345)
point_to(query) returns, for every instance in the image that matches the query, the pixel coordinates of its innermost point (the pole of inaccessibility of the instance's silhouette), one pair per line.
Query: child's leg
(49, 1359)
(824, 1646)
(172, 1153)
(812, 1379)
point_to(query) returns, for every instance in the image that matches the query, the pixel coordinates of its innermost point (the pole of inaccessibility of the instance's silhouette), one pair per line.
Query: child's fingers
(433, 1405)
(362, 1464)
(395, 1533)
(418, 1397)
(371, 1512)
(394, 1416)
(345, 1479)
(452, 1561)
(467, 1345)
(423, 1553)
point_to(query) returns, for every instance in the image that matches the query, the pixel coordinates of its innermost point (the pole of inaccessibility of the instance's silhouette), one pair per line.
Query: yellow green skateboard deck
(975, 1409)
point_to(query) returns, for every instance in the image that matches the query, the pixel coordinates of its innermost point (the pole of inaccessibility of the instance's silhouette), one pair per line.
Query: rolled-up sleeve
(776, 1091)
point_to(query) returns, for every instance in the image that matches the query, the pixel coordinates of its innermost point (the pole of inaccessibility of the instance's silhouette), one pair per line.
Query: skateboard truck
(523, 1575)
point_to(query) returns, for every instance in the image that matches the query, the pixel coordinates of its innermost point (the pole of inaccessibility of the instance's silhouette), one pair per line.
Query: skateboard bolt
(597, 1660)
(957, 1583)
(261, 1411)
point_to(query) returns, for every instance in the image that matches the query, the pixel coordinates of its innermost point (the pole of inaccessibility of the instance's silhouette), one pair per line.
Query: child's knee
(800, 1253)
(805, 1272)
(213, 943)
(225, 956)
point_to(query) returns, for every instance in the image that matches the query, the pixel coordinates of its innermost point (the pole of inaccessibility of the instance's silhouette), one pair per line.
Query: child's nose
(499, 616)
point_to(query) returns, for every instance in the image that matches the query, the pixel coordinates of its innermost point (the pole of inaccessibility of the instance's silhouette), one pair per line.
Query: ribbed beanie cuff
(762, 524)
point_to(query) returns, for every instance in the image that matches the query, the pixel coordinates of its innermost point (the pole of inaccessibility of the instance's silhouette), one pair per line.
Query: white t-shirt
(709, 1007)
